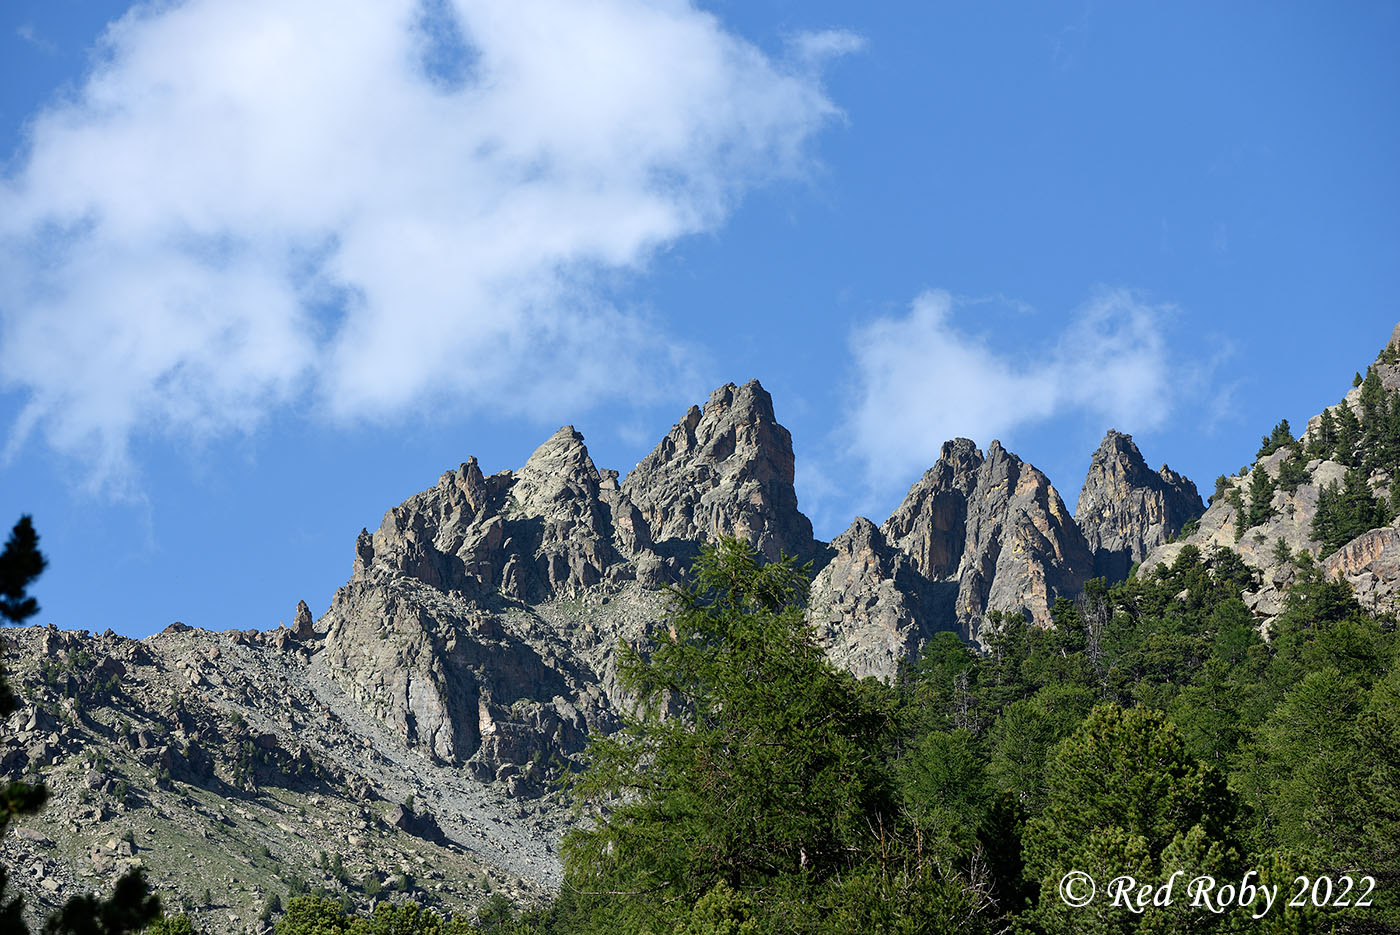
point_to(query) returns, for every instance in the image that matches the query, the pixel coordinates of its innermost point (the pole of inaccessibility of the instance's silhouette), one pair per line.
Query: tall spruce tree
(1261, 495)
(1280, 436)
(1323, 442)
(754, 769)
(1293, 470)
(1126, 797)
(1348, 436)
(1346, 512)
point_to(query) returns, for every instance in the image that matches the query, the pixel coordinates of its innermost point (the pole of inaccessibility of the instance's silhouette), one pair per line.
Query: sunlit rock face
(976, 533)
(1126, 509)
(724, 470)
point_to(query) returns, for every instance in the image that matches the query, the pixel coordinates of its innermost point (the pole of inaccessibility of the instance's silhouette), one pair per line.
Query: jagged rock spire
(977, 533)
(726, 469)
(1126, 509)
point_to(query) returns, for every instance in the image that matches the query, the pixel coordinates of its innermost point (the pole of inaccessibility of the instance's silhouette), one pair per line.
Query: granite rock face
(553, 529)
(1126, 509)
(1370, 563)
(726, 469)
(482, 618)
(977, 533)
(869, 606)
(996, 527)
(499, 690)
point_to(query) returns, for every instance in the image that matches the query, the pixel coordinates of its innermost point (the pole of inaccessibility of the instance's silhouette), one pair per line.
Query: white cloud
(921, 379)
(816, 48)
(260, 203)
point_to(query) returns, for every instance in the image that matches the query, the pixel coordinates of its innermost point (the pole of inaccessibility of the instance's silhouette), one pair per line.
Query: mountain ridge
(472, 650)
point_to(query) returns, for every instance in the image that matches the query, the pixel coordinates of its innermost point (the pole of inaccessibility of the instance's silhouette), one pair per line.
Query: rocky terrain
(976, 533)
(1370, 562)
(233, 769)
(411, 740)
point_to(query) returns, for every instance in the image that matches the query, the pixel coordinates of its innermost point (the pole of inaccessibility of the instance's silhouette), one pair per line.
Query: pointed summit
(1126, 509)
(726, 469)
(559, 469)
(992, 533)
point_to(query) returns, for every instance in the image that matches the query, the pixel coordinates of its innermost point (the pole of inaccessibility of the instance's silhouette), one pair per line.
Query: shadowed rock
(1126, 509)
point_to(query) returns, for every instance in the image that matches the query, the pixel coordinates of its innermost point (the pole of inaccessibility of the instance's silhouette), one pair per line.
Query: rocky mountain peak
(726, 469)
(558, 470)
(988, 533)
(1126, 509)
(562, 454)
(960, 458)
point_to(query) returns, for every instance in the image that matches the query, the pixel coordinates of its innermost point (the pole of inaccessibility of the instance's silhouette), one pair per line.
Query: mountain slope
(1270, 515)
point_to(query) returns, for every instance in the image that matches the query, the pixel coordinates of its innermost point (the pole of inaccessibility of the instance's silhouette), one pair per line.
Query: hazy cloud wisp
(258, 203)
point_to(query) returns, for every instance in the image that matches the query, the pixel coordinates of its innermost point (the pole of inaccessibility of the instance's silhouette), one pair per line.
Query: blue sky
(267, 268)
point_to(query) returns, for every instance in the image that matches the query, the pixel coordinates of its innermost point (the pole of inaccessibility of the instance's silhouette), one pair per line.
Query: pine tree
(1126, 797)
(1281, 435)
(753, 764)
(1348, 436)
(1324, 440)
(1261, 495)
(1236, 500)
(1372, 397)
(1386, 454)
(1293, 471)
(1345, 513)
(20, 564)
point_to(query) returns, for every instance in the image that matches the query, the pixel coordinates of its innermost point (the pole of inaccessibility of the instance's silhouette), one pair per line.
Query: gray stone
(303, 626)
(723, 470)
(996, 528)
(1126, 509)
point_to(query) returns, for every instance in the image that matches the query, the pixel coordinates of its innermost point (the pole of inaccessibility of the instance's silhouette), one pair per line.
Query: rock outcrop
(551, 530)
(504, 691)
(997, 527)
(1370, 562)
(443, 632)
(975, 534)
(869, 606)
(1126, 509)
(303, 624)
(481, 619)
(726, 469)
